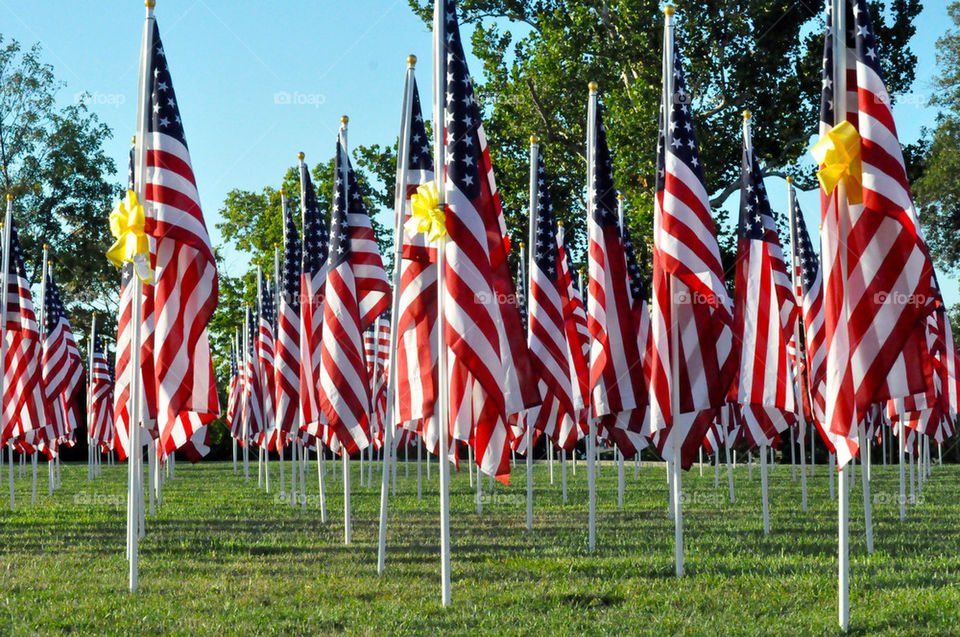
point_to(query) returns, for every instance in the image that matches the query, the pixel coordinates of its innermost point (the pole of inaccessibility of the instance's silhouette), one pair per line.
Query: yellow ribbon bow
(427, 216)
(839, 154)
(126, 223)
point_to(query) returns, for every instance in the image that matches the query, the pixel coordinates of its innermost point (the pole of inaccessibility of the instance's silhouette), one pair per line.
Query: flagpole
(439, 141)
(764, 487)
(245, 357)
(399, 205)
(840, 115)
(93, 335)
(621, 481)
(800, 386)
(265, 448)
(591, 421)
(532, 227)
(8, 221)
(344, 454)
(42, 323)
(281, 443)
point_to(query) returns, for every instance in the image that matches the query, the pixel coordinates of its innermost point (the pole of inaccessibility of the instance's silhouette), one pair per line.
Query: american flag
(628, 428)
(100, 397)
(313, 274)
(690, 305)
(555, 344)
(875, 313)
(416, 384)
(765, 313)
(809, 292)
(357, 291)
(252, 405)
(616, 368)
(287, 358)
(23, 390)
(264, 345)
(183, 294)
(62, 363)
(234, 391)
(121, 391)
(62, 367)
(489, 365)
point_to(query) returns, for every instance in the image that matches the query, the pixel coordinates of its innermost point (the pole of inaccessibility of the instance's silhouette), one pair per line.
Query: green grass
(223, 557)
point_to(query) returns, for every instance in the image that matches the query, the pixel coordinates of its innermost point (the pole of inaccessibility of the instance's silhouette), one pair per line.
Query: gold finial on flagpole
(669, 9)
(412, 60)
(300, 155)
(9, 197)
(283, 192)
(560, 223)
(150, 3)
(747, 114)
(133, 140)
(620, 196)
(593, 86)
(344, 120)
(790, 179)
(534, 139)
(45, 246)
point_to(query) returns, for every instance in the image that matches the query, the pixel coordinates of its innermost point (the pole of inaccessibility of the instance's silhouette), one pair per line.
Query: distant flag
(183, 293)
(555, 345)
(616, 366)
(252, 408)
(265, 345)
(416, 319)
(62, 363)
(489, 365)
(313, 275)
(809, 292)
(765, 312)
(691, 309)
(234, 392)
(121, 391)
(287, 358)
(357, 291)
(24, 404)
(100, 397)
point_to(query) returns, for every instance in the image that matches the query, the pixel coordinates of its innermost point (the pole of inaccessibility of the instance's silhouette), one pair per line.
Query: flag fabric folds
(183, 294)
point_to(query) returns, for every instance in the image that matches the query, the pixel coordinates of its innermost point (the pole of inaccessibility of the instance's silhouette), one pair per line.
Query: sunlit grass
(223, 557)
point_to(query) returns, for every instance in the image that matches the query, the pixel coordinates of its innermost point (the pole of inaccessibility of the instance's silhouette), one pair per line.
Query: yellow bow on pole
(127, 221)
(839, 155)
(427, 216)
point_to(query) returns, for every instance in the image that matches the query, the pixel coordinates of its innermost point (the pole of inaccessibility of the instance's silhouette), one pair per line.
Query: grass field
(223, 557)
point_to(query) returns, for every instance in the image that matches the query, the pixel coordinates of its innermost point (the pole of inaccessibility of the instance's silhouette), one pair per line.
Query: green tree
(937, 190)
(55, 167)
(538, 56)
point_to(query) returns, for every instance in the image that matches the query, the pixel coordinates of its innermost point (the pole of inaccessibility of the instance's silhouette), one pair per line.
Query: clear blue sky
(235, 63)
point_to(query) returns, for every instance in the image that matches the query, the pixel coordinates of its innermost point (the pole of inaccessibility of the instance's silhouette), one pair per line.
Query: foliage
(538, 56)
(937, 191)
(55, 167)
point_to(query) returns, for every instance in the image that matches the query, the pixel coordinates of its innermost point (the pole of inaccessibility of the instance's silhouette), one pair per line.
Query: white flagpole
(532, 237)
(591, 422)
(799, 385)
(264, 449)
(840, 114)
(668, 90)
(8, 220)
(439, 101)
(563, 473)
(44, 274)
(344, 454)
(245, 357)
(725, 423)
(135, 407)
(281, 444)
(764, 487)
(399, 206)
(619, 453)
(93, 336)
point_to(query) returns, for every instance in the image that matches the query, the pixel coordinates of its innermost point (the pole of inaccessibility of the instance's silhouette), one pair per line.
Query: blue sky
(259, 81)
